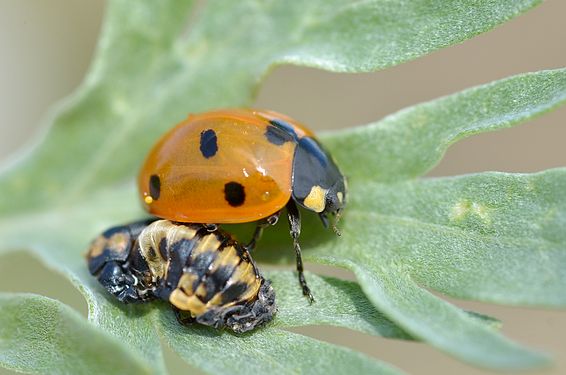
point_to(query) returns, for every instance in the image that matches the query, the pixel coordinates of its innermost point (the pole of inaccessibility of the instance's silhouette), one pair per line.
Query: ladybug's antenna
(337, 216)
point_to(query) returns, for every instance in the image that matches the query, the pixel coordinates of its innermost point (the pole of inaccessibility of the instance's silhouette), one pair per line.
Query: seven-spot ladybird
(242, 165)
(204, 273)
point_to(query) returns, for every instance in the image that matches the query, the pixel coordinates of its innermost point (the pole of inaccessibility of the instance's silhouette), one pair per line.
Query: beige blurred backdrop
(46, 48)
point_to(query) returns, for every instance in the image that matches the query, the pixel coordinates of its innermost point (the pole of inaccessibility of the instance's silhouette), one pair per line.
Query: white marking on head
(316, 200)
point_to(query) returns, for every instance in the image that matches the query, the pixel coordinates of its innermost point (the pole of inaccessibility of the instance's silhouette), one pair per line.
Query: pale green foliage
(492, 237)
(41, 335)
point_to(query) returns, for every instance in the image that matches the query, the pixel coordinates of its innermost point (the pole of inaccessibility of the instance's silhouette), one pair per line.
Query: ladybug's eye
(154, 186)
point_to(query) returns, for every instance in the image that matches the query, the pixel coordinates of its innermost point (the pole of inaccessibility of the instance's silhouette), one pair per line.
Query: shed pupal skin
(206, 275)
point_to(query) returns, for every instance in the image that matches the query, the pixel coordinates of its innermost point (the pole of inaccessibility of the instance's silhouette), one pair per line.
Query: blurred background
(46, 48)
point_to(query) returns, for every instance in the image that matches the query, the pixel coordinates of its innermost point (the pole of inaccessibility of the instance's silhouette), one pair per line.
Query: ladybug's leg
(294, 217)
(211, 227)
(261, 225)
(248, 257)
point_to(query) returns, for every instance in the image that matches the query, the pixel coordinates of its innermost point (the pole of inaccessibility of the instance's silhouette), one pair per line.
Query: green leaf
(441, 324)
(370, 35)
(266, 351)
(157, 61)
(411, 142)
(131, 325)
(339, 303)
(41, 335)
(479, 232)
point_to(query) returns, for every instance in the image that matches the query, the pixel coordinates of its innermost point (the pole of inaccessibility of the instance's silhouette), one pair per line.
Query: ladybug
(206, 275)
(238, 166)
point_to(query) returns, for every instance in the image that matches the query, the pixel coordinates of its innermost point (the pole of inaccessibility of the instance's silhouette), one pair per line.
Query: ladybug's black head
(334, 201)
(318, 184)
(335, 197)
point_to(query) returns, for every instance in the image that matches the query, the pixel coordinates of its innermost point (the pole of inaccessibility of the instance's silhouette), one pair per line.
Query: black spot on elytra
(286, 127)
(277, 136)
(208, 143)
(234, 194)
(154, 186)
